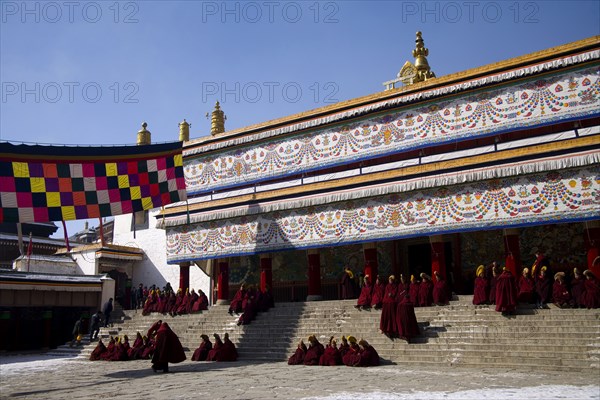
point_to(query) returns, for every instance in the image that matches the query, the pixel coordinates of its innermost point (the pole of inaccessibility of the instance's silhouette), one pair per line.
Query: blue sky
(91, 72)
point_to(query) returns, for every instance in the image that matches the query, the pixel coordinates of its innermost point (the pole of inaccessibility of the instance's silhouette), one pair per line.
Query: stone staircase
(460, 334)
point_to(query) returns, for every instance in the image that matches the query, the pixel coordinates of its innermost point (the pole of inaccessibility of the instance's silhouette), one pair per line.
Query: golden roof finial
(184, 131)
(217, 121)
(143, 135)
(420, 54)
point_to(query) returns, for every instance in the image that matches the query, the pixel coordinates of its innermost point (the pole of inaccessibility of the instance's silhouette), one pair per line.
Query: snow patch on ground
(544, 392)
(14, 365)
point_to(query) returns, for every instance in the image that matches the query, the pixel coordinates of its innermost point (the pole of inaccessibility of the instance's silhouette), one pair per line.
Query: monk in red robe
(250, 305)
(577, 288)
(110, 350)
(364, 300)
(493, 282)
(98, 351)
(560, 294)
(480, 292)
(266, 300)
(387, 322)
(137, 344)
(378, 293)
(228, 351)
(406, 320)
(214, 353)
(368, 355)
(526, 288)
(413, 290)
(344, 346)
(440, 290)
(201, 303)
(352, 356)
(150, 303)
(506, 293)
(591, 295)
(148, 349)
(178, 301)
(543, 287)
(201, 353)
(168, 349)
(236, 304)
(425, 291)
(183, 307)
(314, 352)
(192, 301)
(298, 357)
(348, 284)
(154, 329)
(331, 356)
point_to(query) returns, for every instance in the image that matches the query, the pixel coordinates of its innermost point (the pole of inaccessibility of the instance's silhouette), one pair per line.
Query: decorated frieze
(535, 102)
(493, 203)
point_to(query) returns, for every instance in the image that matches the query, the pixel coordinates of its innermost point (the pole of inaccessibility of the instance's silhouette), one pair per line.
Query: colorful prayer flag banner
(51, 183)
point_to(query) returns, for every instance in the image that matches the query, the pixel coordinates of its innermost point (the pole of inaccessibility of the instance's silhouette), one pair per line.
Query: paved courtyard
(45, 377)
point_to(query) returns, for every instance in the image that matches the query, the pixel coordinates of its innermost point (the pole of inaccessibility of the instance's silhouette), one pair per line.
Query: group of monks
(503, 290)
(249, 301)
(167, 302)
(222, 350)
(119, 349)
(349, 353)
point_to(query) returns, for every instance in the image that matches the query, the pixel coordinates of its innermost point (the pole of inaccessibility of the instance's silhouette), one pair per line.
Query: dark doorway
(419, 259)
(121, 289)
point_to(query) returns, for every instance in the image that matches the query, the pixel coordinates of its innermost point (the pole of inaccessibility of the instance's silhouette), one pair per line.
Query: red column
(592, 245)
(438, 256)
(512, 249)
(184, 276)
(314, 275)
(223, 283)
(371, 266)
(266, 272)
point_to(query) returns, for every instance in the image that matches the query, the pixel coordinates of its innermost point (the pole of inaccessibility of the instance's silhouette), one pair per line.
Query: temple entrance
(122, 287)
(419, 259)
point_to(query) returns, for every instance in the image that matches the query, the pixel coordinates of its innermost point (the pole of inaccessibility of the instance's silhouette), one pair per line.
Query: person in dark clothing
(95, 325)
(76, 332)
(139, 293)
(107, 309)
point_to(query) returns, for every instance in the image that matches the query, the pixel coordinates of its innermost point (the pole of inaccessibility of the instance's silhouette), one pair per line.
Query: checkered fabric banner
(50, 183)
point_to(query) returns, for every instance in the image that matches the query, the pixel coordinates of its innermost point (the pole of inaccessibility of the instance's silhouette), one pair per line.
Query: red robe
(148, 350)
(110, 350)
(413, 292)
(228, 351)
(364, 300)
(387, 323)
(192, 301)
(214, 353)
(313, 354)
(236, 303)
(440, 293)
(168, 348)
(298, 357)
(201, 303)
(406, 320)
(591, 295)
(426, 293)
(331, 356)
(201, 353)
(183, 307)
(560, 293)
(153, 329)
(352, 356)
(543, 288)
(377, 295)
(368, 357)
(526, 290)
(98, 351)
(480, 293)
(348, 287)
(344, 349)
(506, 292)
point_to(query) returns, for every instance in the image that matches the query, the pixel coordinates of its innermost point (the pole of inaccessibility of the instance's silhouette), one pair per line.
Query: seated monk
(201, 303)
(147, 350)
(214, 353)
(117, 353)
(378, 293)
(344, 346)
(192, 301)
(168, 349)
(228, 351)
(368, 356)
(364, 300)
(125, 349)
(250, 304)
(298, 357)
(352, 356)
(137, 344)
(236, 304)
(526, 288)
(506, 293)
(406, 320)
(201, 353)
(591, 294)
(98, 351)
(314, 352)
(266, 301)
(331, 356)
(560, 294)
(440, 290)
(110, 350)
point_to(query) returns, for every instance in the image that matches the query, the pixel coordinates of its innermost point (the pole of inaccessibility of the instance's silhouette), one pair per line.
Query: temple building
(440, 174)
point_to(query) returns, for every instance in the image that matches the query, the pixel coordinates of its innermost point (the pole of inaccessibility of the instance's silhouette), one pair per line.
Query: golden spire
(184, 131)
(217, 121)
(420, 53)
(143, 135)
